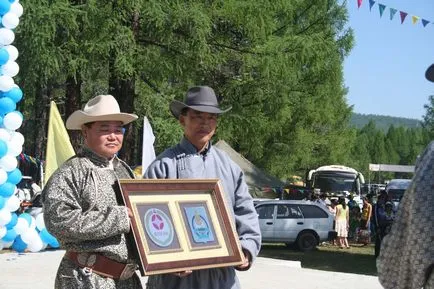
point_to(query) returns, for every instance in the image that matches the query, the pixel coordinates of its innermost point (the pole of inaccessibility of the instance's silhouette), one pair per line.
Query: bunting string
(403, 15)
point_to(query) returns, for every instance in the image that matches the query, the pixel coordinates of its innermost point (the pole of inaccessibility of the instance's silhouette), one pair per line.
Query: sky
(385, 71)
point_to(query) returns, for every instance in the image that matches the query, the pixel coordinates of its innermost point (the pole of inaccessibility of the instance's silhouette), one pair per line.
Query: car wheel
(307, 241)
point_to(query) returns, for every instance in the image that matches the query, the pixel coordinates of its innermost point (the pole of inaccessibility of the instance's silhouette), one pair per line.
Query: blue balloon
(16, 94)
(3, 148)
(15, 176)
(19, 245)
(5, 6)
(13, 221)
(27, 217)
(7, 189)
(7, 105)
(49, 239)
(2, 202)
(4, 56)
(12, 1)
(54, 243)
(10, 235)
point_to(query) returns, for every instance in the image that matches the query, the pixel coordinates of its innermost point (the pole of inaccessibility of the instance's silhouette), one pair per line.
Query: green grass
(358, 259)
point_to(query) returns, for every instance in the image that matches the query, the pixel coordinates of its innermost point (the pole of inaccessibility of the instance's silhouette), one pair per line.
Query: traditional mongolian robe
(82, 211)
(184, 162)
(406, 258)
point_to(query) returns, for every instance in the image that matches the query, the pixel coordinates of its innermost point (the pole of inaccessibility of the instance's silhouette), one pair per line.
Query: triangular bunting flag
(381, 7)
(359, 3)
(392, 13)
(403, 15)
(425, 22)
(371, 3)
(414, 19)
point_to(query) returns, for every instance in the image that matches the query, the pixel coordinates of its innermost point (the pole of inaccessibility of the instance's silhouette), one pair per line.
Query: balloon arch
(19, 230)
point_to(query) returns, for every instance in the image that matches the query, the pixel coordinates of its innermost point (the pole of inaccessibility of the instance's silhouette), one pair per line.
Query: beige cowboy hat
(99, 108)
(200, 98)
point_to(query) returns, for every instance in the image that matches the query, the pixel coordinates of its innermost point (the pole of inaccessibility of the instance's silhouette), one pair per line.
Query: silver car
(304, 223)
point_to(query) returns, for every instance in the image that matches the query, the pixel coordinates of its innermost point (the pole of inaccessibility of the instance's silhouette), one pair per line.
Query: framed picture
(181, 224)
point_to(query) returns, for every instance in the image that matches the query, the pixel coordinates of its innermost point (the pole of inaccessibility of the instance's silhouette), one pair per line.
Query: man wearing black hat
(195, 158)
(406, 258)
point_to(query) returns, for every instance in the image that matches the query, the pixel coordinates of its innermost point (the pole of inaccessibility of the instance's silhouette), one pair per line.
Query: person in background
(385, 220)
(354, 221)
(351, 202)
(196, 158)
(342, 223)
(406, 259)
(81, 208)
(332, 210)
(322, 200)
(365, 220)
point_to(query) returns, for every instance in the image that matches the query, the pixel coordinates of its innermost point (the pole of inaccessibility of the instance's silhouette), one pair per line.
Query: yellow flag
(414, 19)
(59, 147)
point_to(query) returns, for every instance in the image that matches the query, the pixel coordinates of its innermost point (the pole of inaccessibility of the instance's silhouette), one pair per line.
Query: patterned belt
(102, 265)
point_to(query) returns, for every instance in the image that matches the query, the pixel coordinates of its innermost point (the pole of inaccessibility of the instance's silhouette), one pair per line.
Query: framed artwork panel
(181, 224)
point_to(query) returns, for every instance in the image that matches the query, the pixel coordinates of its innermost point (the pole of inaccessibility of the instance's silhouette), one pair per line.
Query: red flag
(359, 3)
(403, 15)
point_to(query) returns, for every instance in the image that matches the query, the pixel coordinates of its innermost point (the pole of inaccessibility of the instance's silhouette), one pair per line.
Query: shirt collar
(187, 146)
(97, 159)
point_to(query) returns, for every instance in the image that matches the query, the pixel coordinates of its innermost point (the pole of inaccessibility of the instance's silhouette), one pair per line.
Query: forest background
(278, 63)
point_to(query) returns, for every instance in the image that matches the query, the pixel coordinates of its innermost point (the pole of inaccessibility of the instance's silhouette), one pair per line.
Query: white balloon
(13, 203)
(5, 216)
(3, 177)
(10, 68)
(12, 51)
(33, 224)
(10, 20)
(17, 9)
(6, 245)
(36, 244)
(12, 120)
(7, 36)
(21, 226)
(3, 232)
(44, 246)
(14, 150)
(29, 235)
(6, 82)
(16, 138)
(8, 163)
(5, 135)
(40, 224)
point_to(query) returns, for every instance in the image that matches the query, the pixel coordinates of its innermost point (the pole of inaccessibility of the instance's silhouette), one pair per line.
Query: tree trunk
(124, 92)
(73, 103)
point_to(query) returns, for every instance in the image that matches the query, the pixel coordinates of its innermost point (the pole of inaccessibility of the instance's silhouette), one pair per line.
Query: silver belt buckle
(128, 271)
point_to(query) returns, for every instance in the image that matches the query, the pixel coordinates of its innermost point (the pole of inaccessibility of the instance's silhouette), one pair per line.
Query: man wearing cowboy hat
(195, 157)
(406, 259)
(80, 204)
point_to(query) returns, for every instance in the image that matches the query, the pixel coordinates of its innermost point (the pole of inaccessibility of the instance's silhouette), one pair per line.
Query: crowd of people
(361, 225)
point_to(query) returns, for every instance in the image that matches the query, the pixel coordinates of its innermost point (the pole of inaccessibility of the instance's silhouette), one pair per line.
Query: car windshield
(395, 194)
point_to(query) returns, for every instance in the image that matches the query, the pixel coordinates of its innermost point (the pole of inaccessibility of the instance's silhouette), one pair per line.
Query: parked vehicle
(337, 180)
(396, 188)
(304, 223)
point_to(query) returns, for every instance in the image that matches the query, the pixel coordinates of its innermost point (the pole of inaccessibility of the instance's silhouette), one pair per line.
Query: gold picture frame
(181, 224)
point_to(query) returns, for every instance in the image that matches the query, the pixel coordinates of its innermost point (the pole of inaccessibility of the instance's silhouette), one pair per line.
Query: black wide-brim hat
(200, 98)
(429, 74)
